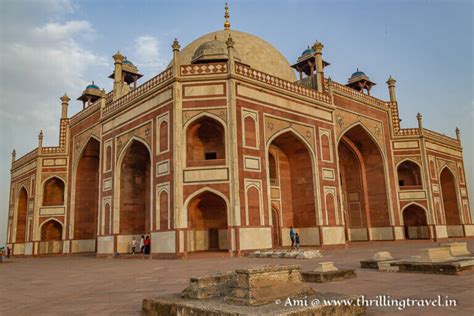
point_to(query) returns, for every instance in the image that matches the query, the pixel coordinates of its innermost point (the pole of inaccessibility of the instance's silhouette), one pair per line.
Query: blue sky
(54, 46)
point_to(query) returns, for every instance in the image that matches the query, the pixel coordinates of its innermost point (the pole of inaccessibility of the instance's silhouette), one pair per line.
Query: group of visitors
(144, 246)
(295, 239)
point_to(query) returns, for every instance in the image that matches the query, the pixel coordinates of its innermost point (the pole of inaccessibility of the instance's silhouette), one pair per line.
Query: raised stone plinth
(457, 249)
(437, 254)
(174, 305)
(452, 267)
(382, 256)
(288, 254)
(327, 272)
(263, 285)
(210, 286)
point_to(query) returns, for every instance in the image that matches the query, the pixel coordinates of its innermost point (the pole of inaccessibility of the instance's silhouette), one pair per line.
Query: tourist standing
(142, 244)
(297, 241)
(147, 243)
(134, 245)
(292, 237)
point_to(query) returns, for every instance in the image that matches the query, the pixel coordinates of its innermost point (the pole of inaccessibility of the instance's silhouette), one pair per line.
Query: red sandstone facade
(219, 152)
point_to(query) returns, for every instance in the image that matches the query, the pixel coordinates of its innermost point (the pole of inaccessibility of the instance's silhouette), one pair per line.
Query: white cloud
(147, 52)
(43, 55)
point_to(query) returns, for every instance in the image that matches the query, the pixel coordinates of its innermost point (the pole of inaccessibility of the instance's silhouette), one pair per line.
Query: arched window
(273, 169)
(409, 175)
(253, 206)
(163, 136)
(205, 143)
(108, 158)
(53, 192)
(326, 153)
(250, 132)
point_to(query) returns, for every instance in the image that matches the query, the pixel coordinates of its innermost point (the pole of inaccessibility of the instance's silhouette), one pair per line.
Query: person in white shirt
(134, 245)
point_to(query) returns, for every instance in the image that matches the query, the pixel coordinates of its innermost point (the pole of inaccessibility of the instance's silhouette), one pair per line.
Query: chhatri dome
(250, 49)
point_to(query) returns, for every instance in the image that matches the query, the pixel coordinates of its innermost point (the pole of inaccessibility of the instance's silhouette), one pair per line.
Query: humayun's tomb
(226, 149)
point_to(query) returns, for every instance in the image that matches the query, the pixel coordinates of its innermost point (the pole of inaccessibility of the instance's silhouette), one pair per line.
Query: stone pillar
(391, 89)
(118, 78)
(318, 48)
(13, 156)
(176, 48)
(64, 105)
(419, 117)
(458, 134)
(232, 141)
(40, 142)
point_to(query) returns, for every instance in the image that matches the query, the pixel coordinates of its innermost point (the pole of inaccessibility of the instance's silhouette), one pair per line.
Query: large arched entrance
(207, 222)
(450, 203)
(362, 178)
(290, 169)
(22, 210)
(415, 222)
(87, 192)
(51, 236)
(135, 190)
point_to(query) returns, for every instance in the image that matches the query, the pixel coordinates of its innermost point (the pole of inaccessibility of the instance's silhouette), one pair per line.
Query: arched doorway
(53, 192)
(135, 190)
(207, 222)
(22, 210)
(409, 175)
(87, 192)
(205, 143)
(362, 177)
(415, 222)
(276, 228)
(290, 170)
(450, 203)
(51, 236)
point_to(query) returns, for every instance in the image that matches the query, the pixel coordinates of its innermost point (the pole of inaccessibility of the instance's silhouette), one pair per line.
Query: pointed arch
(21, 214)
(53, 191)
(450, 196)
(205, 139)
(415, 221)
(86, 186)
(295, 158)
(135, 217)
(52, 219)
(371, 196)
(207, 221)
(409, 174)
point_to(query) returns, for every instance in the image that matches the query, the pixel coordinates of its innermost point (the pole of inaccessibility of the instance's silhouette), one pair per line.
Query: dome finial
(226, 16)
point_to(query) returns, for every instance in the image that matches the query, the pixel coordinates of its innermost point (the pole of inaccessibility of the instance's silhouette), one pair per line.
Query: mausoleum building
(226, 149)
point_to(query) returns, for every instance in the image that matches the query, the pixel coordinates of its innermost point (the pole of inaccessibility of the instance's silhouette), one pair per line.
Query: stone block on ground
(325, 267)
(263, 285)
(293, 254)
(452, 267)
(328, 276)
(437, 254)
(382, 256)
(210, 286)
(457, 249)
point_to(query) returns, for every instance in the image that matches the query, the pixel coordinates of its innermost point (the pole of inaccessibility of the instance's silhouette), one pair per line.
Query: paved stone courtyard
(85, 285)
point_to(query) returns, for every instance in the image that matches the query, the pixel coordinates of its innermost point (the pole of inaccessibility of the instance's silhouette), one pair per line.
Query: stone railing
(356, 94)
(203, 69)
(53, 150)
(26, 158)
(247, 71)
(139, 91)
(442, 137)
